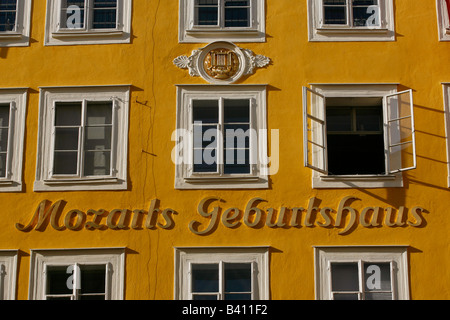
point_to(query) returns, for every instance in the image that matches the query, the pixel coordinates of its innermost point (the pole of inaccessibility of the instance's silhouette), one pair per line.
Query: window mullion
(361, 293)
(82, 133)
(221, 14)
(88, 14)
(220, 137)
(221, 281)
(350, 13)
(76, 281)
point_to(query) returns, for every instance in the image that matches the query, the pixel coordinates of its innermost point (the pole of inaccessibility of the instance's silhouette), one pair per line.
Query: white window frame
(186, 256)
(54, 35)
(184, 176)
(443, 20)
(8, 274)
(396, 255)
(320, 177)
(20, 36)
(45, 180)
(446, 94)
(113, 258)
(317, 31)
(17, 99)
(189, 33)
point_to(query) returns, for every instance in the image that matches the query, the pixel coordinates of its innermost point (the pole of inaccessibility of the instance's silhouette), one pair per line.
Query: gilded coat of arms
(221, 63)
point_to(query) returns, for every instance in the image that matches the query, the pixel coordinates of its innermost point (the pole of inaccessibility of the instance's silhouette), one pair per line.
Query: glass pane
(364, 15)
(345, 296)
(205, 278)
(369, 119)
(65, 163)
(57, 280)
(66, 139)
(93, 279)
(237, 17)
(59, 298)
(105, 14)
(8, 15)
(97, 163)
(237, 136)
(237, 111)
(97, 138)
(4, 115)
(206, 111)
(205, 160)
(4, 139)
(378, 296)
(206, 12)
(204, 297)
(377, 276)
(68, 114)
(99, 113)
(344, 277)
(92, 297)
(72, 14)
(3, 156)
(335, 12)
(237, 161)
(238, 277)
(205, 136)
(339, 119)
(234, 296)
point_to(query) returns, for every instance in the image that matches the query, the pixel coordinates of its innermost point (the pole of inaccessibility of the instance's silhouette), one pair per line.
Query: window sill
(80, 184)
(357, 181)
(77, 34)
(81, 181)
(351, 34)
(210, 35)
(222, 183)
(352, 30)
(10, 35)
(369, 177)
(6, 183)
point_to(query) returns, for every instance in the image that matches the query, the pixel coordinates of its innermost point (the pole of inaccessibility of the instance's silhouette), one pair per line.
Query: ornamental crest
(221, 62)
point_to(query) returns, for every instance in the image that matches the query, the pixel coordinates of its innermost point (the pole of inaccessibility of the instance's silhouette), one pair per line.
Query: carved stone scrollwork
(221, 62)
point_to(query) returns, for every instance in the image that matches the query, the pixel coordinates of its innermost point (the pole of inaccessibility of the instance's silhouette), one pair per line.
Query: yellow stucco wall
(416, 60)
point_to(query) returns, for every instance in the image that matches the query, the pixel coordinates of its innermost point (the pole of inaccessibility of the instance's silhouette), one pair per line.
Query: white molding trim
(8, 274)
(443, 20)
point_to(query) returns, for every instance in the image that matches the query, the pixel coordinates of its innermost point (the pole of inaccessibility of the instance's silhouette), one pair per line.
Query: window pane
(97, 163)
(93, 279)
(205, 278)
(4, 139)
(237, 13)
(8, 15)
(206, 13)
(68, 114)
(205, 136)
(237, 136)
(65, 163)
(72, 18)
(344, 277)
(206, 111)
(4, 115)
(237, 111)
(234, 296)
(369, 119)
(204, 297)
(339, 119)
(237, 161)
(377, 276)
(3, 156)
(92, 297)
(97, 138)
(57, 278)
(66, 139)
(378, 296)
(105, 14)
(335, 12)
(205, 160)
(345, 296)
(99, 113)
(238, 277)
(363, 15)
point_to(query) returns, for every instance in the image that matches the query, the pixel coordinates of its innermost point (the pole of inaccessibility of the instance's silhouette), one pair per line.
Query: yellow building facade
(100, 178)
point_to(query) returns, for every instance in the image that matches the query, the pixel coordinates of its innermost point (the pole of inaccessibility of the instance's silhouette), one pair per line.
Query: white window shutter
(314, 131)
(401, 137)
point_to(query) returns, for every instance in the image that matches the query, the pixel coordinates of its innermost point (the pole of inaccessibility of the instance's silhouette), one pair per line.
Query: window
(84, 274)
(8, 274)
(443, 12)
(221, 273)
(88, 22)
(83, 139)
(221, 137)
(361, 273)
(15, 22)
(358, 135)
(351, 20)
(12, 127)
(233, 20)
(446, 89)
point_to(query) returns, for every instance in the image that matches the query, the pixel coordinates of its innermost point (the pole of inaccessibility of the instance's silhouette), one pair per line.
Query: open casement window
(221, 273)
(443, 17)
(221, 137)
(15, 22)
(77, 274)
(361, 273)
(233, 20)
(358, 137)
(77, 281)
(88, 22)
(83, 138)
(351, 20)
